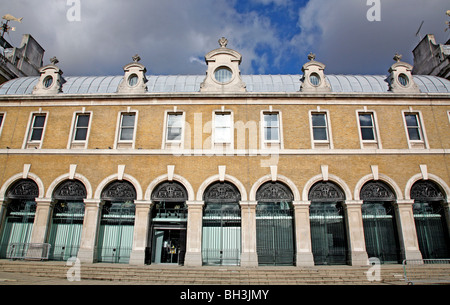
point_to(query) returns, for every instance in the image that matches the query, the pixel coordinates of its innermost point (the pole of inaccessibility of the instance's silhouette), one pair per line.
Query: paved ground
(7, 278)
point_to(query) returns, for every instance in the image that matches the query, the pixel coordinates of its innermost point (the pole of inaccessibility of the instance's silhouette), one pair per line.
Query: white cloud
(166, 34)
(342, 37)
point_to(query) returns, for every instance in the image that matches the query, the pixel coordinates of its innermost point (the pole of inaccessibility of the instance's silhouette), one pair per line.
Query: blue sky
(273, 36)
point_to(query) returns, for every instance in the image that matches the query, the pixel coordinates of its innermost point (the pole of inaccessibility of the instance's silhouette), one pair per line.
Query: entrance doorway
(167, 238)
(168, 245)
(221, 234)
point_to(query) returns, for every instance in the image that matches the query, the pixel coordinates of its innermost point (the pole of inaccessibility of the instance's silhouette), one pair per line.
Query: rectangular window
(413, 126)
(222, 127)
(127, 126)
(1, 120)
(271, 125)
(174, 127)
(81, 127)
(367, 126)
(37, 127)
(319, 125)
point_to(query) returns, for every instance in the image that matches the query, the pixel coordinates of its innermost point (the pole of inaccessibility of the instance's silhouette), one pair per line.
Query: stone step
(220, 275)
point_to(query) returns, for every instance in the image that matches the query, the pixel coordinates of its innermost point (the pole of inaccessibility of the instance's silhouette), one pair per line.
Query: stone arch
(390, 182)
(109, 179)
(431, 177)
(20, 176)
(341, 183)
(280, 178)
(64, 177)
(227, 178)
(162, 178)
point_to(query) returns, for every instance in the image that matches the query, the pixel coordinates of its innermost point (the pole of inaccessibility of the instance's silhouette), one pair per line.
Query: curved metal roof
(255, 83)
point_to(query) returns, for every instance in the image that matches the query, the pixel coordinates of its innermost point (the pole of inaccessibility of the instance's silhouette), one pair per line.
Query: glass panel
(318, 120)
(127, 134)
(174, 127)
(81, 134)
(222, 75)
(411, 120)
(174, 134)
(39, 121)
(414, 134)
(320, 134)
(271, 120)
(365, 120)
(271, 134)
(222, 135)
(83, 121)
(36, 134)
(367, 134)
(222, 120)
(128, 120)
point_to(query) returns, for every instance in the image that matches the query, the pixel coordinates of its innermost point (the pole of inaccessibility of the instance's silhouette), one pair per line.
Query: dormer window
(133, 80)
(314, 78)
(403, 80)
(223, 75)
(48, 81)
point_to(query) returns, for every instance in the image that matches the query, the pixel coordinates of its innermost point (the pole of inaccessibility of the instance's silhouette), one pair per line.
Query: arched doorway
(380, 228)
(221, 235)
(168, 224)
(19, 219)
(67, 220)
(328, 236)
(115, 238)
(429, 217)
(275, 242)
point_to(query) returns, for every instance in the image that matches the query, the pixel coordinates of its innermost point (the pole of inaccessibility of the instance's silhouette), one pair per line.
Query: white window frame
(321, 143)
(415, 144)
(222, 144)
(72, 143)
(2, 122)
(28, 143)
(368, 144)
(166, 143)
(125, 144)
(275, 144)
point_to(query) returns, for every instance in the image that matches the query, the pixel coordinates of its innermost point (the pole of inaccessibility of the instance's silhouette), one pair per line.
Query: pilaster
(88, 245)
(249, 257)
(303, 234)
(194, 234)
(140, 234)
(409, 243)
(44, 208)
(355, 233)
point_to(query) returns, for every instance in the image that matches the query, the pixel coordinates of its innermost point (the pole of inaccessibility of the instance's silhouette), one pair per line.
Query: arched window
(328, 236)
(18, 224)
(275, 242)
(221, 238)
(117, 222)
(67, 220)
(380, 228)
(169, 220)
(431, 225)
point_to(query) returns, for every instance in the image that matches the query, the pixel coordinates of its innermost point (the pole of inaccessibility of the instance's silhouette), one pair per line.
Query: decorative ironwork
(170, 192)
(25, 189)
(274, 192)
(119, 191)
(73, 190)
(376, 191)
(426, 190)
(222, 192)
(326, 191)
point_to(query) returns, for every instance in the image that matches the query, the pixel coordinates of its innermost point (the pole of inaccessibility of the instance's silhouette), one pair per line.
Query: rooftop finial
(54, 60)
(136, 58)
(223, 42)
(311, 56)
(398, 57)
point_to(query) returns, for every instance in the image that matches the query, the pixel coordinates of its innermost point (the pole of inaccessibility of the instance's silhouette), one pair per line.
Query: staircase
(220, 275)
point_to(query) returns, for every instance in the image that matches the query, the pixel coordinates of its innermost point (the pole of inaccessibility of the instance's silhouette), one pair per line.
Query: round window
(314, 78)
(223, 75)
(133, 80)
(48, 81)
(403, 80)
